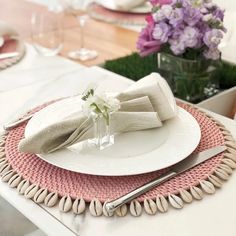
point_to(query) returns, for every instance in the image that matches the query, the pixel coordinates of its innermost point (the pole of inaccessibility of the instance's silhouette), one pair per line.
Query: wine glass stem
(82, 36)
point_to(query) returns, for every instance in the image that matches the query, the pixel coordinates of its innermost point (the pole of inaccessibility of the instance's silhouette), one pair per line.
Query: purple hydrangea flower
(210, 5)
(166, 10)
(163, 13)
(176, 17)
(203, 10)
(192, 15)
(190, 37)
(177, 46)
(182, 3)
(146, 44)
(218, 14)
(161, 32)
(212, 53)
(212, 38)
(158, 16)
(207, 17)
(182, 25)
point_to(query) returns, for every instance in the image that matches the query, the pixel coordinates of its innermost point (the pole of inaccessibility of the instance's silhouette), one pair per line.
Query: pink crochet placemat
(12, 45)
(35, 177)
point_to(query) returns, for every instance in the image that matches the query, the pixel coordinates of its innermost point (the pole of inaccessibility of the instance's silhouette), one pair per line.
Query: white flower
(158, 16)
(100, 104)
(207, 17)
(167, 10)
(110, 102)
(203, 10)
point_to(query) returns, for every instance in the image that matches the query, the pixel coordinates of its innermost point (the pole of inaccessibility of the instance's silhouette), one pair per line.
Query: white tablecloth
(214, 215)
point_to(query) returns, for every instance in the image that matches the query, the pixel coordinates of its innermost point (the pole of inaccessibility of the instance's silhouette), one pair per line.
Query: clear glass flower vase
(103, 137)
(190, 80)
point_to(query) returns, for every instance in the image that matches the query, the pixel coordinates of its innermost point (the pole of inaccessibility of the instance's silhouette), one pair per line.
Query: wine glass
(82, 53)
(47, 33)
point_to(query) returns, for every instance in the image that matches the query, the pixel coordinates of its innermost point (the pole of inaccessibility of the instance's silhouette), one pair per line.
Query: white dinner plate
(110, 5)
(133, 152)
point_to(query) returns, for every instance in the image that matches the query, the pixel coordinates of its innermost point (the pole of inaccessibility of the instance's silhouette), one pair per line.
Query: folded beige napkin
(144, 105)
(128, 4)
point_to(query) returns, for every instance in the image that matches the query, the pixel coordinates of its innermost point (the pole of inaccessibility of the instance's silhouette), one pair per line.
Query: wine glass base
(83, 54)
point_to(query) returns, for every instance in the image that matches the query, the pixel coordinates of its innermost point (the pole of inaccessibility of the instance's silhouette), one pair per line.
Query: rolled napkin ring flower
(100, 108)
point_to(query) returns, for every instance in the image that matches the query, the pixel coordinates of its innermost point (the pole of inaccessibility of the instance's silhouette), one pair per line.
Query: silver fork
(14, 124)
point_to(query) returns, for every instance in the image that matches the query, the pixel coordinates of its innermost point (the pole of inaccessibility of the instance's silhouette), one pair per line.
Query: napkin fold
(128, 4)
(144, 105)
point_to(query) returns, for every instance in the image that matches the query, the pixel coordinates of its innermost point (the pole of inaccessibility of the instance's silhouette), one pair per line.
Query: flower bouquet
(186, 35)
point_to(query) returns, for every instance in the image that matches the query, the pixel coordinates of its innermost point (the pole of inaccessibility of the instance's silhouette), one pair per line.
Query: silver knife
(8, 55)
(188, 163)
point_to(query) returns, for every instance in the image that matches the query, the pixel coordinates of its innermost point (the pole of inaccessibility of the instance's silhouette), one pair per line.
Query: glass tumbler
(47, 33)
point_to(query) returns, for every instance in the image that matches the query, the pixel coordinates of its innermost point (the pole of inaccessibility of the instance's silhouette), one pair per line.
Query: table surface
(110, 41)
(36, 80)
(214, 215)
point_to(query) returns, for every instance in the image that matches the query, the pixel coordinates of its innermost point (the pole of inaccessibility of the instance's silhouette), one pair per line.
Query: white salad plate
(133, 152)
(110, 5)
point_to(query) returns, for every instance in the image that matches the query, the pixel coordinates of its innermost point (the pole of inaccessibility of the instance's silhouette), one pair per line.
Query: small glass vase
(190, 80)
(103, 137)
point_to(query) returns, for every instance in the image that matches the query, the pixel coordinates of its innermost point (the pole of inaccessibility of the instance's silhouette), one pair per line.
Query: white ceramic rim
(142, 9)
(180, 136)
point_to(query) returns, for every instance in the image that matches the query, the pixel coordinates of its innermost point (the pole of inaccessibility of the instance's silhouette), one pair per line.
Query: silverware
(14, 124)
(188, 163)
(8, 55)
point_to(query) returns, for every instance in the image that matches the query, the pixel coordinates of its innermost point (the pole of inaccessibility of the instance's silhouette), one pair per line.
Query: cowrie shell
(121, 211)
(4, 168)
(231, 150)
(31, 191)
(196, 192)
(226, 168)
(95, 208)
(175, 201)
(51, 199)
(229, 138)
(40, 196)
(225, 132)
(186, 196)
(2, 143)
(230, 156)
(215, 180)
(2, 154)
(135, 208)
(162, 204)
(150, 207)
(6, 176)
(207, 186)
(14, 181)
(79, 206)
(65, 204)
(23, 185)
(222, 174)
(3, 161)
(231, 144)
(229, 163)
